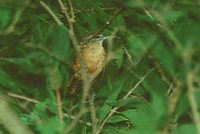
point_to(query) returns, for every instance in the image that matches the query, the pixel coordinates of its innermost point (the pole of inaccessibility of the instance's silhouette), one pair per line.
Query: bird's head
(95, 39)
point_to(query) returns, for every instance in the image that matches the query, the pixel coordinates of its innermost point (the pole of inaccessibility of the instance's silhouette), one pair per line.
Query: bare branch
(57, 88)
(72, 11)
(192, 100)
(23, 98)
(93, 116)
(51, 13)
(18, 14)
(10, 120)
(36, 102)
(113, 111)
(84, 74)
(76, 119)
(106, 24)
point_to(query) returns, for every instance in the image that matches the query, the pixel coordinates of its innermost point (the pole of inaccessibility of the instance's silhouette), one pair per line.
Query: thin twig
(93, 116)
(10, 119)
(192, 100)
(169, 31)
(75, 44)
(18, 14)
(129, 57)
(72, 11)
(106, 24)
(174, 98)
(31, 100)
(92, 9)
(137, 84)
(76, 119)
(3, 49)
(155, 15)
(23, 98)
(51, 13)
(83, 70)
(57, 87)
(49, 53)
(160, 70)
(148, 13)
(64, 10)
(113, 111)
(7, 60)
(59, 101)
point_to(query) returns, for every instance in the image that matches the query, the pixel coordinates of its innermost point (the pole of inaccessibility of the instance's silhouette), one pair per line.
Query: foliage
(157, 38)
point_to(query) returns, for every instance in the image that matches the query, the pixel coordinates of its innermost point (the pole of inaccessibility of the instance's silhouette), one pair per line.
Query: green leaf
(186, 129)
(51, 126)
(119, 22)
(105, 109)
(26, 65)
(154, 84)
(130, 114)
(38, 36)
(6, 80)
(53, 77)
(183, 105)
(57, 41)
(132, 4)
(144, 3)
(115, 130)
(101, 14)
(4, 17)
(162, 53)
(147, 116)
(125, 102)
(139, 46)
(117, 118)
(172, 16)
(41, 58)
(92, 23)
(188, 31)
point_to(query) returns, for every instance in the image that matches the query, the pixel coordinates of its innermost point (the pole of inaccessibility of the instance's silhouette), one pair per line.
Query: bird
(94, 58)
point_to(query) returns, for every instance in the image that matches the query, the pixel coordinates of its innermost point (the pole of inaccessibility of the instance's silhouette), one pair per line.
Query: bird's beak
(108, 37)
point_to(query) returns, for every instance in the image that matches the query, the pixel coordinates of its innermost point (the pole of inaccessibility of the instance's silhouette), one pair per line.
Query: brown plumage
(94, 57)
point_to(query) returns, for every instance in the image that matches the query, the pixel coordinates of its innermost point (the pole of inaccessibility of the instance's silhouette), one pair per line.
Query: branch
(112, 112)
(51, 13)
(49, 53)
(93, 115)
(92, 9)
(192, 100)
(10, 120)
(83, 70)
(169, 31)
(64, 10)
(23, 98)
(106, 24)
(57, 87)
(76, 119)
(37, 102)
(72, 11)
(16, 18)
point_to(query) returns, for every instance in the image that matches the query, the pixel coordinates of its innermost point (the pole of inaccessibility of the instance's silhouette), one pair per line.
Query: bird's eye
(99, 36)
